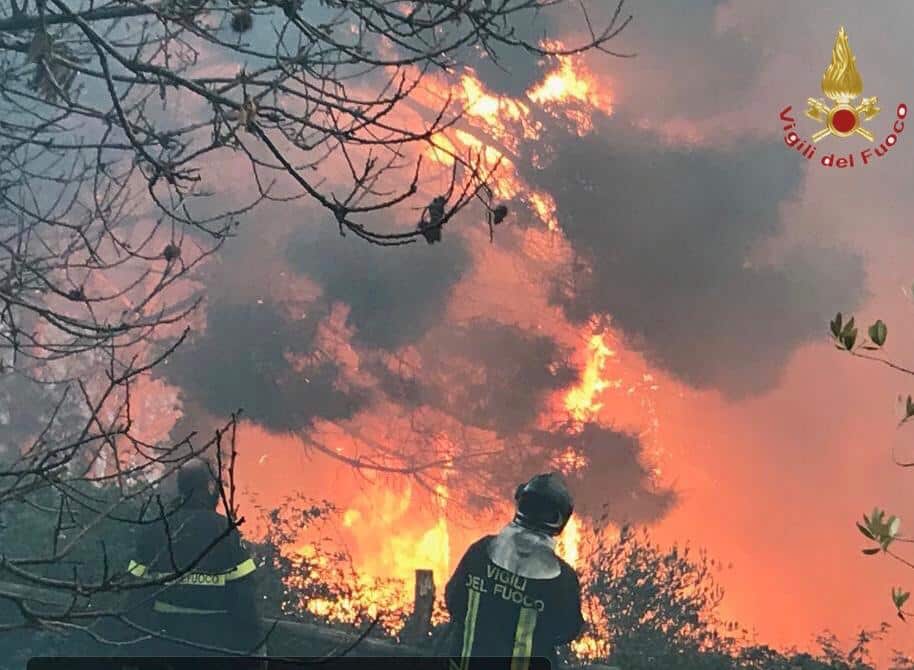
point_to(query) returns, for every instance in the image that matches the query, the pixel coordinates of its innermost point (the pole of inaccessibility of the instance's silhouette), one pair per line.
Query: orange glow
(544, 206)
(578, 92)
(570, 461)
(582, 401)
(494, 125)
(568, 546)
(390, 531)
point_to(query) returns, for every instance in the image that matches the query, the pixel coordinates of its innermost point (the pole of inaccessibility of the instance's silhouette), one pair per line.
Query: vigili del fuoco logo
(842, 85)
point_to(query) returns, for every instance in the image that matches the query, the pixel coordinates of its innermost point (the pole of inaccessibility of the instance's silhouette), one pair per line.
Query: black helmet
(197, 485)
(544, 504)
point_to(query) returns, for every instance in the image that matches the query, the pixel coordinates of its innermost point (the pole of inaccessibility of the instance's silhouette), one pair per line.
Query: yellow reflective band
(195, 578)
(200, 579)
(469, 629)
(166, 608)
(523, 639)
(241, 570)
(136, 569)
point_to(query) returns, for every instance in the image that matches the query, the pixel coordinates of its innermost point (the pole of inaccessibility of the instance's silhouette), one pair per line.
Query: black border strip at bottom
(238, 663)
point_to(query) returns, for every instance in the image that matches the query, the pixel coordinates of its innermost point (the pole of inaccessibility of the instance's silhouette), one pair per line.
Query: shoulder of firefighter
(198, 564)
(498, 613)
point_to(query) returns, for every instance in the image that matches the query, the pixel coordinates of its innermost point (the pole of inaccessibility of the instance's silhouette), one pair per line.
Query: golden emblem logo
(842, 85)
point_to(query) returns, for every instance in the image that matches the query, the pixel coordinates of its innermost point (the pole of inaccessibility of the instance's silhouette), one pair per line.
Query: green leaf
(894, 525)
(871, 552)
(863, 529)
(909, 408)
(849, 338)
(836, 325)
(848, 327)
(878, 332)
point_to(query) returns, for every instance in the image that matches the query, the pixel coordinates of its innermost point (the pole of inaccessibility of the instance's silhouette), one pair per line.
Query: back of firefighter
(209, 605)
(511, 596)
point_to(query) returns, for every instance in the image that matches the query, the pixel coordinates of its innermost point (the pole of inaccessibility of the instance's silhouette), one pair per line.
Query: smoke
(688, 63)
(245, 360)
(485, 374)
(395, 294)
(615, 482)
(268, 296)
(668, 234)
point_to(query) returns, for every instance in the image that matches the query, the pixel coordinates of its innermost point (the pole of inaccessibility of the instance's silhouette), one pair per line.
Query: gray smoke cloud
(668, 232)
(616, 481)
(242, 361)
(687, 65)
(486, 374)
(245, 357)
(395, 293)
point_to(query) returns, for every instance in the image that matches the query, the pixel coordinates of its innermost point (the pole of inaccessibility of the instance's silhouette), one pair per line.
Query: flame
(544, 206)
(496, 125)
(582, 400)
(570, 461)
(395, 532)
(841, 81)
(569, 544)
(379, 583)
(572, 85)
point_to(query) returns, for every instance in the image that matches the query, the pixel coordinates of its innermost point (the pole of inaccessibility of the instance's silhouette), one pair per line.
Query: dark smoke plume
(243, 360)
(485, 374)
(395, 294)
(668, 234)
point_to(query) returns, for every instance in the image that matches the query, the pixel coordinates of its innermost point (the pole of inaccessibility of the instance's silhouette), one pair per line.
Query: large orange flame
(582, 401)
(495, 125)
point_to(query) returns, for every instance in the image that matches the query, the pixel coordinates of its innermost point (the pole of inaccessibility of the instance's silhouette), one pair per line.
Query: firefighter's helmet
(197, 485)
(544, 504)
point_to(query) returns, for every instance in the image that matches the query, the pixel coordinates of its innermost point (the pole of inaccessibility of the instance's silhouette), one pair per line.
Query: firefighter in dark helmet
(511, 595)
(202, 589)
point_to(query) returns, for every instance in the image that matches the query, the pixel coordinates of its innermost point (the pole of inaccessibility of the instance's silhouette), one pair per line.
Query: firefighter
(203, 589)
(511, 595)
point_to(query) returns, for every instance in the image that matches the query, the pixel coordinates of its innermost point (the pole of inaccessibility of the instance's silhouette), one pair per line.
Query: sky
(716, 253)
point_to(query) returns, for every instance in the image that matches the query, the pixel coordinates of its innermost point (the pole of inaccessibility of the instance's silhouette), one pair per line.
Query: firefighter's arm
(571, 624)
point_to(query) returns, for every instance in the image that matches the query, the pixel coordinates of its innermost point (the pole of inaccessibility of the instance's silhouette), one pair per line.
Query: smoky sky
(486, 374)
(395, 294)
(668, 232)
(685, 65)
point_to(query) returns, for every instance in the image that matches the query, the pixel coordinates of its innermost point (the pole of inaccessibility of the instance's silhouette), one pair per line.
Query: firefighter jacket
(498, 613)
(202, 588)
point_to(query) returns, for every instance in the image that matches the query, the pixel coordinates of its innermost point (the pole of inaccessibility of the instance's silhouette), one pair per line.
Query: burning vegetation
(460, 386)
